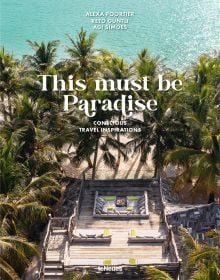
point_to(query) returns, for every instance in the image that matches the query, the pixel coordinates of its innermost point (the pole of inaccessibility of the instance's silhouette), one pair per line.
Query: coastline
(151, 27)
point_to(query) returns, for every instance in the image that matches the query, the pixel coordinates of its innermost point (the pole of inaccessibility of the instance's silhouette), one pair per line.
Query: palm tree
(145, 65)
(206, 72)
(201, 91)
(117, 69)
(9, 82)
(162, 129)
(203, 164)
(44, 56)
(140, 141)
(26, 150)
(88, 144)
(26, 208)
(38, 137)
(199, 156)
(83, 55)
(12, 173)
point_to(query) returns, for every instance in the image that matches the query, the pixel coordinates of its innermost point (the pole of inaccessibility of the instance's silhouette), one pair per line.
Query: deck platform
(119, 251)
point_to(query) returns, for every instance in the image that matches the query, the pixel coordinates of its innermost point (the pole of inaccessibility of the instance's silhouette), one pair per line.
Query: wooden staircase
(53, 270)
(53, 266)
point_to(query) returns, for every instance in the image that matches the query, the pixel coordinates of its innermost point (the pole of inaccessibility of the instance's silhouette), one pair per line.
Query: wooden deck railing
(59, 223)
(74, 217)
(66, 251)
(72, 221)
(44, 250)
(171, 244)
(46, 239)
(81, 193)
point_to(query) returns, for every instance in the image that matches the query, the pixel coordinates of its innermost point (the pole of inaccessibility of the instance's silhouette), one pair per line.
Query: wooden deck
(60, 253)
(119, 251)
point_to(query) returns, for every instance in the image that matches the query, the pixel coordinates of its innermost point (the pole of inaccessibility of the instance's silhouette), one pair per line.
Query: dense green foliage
(200, 261)
(36, 136)
(203, 260)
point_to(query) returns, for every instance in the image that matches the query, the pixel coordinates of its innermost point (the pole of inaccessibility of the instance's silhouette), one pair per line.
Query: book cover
(109, 139)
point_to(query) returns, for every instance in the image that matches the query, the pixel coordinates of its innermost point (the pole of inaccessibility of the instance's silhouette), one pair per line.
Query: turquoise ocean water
(178, 30)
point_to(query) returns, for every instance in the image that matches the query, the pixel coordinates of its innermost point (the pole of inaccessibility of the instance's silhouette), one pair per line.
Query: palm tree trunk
(143, 155)
(215, 143)
(3, 108)
(70, 146)
(211, 197)
(95, 159)
(119, 154)
(158, 159)
(155, 171)
(89, 162)
(118, 139)
(9, 106)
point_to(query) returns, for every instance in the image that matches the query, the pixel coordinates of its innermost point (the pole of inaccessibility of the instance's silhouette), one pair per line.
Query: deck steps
(54, 256)
(53, 270)
(53, 266)
(59, 231)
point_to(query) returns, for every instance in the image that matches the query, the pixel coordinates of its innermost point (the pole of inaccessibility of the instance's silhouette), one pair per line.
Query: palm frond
(154, 273)
(190, 242)
(7, 271)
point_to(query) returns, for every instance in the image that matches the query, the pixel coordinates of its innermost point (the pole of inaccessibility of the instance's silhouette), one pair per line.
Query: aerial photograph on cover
(110, 140)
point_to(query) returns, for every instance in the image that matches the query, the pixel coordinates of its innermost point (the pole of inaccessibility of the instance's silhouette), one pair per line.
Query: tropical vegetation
(203, 259)
(37, 136)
